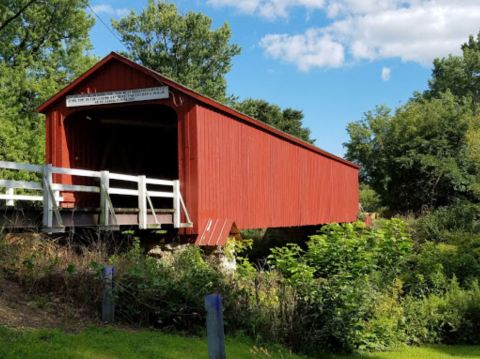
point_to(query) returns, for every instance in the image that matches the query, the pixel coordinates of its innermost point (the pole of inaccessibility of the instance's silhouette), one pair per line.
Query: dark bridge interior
(134, 140)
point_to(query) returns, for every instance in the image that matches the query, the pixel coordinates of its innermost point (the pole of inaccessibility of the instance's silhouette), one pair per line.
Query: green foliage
(459, 218)
(427, 153)
(346, 281)
(290, 262)
(452, 317)
(418, 157)
(458, 74)
(181, 46)
(369, 199)
(288, 120)
(353, 250)
(351, 288)
(448, 245)
(237, 250)
(146, 286)
(41, 50)
(371, 289)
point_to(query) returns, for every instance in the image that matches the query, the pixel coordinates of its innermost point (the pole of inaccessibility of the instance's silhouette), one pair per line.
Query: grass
(110, 343)
(430, 352)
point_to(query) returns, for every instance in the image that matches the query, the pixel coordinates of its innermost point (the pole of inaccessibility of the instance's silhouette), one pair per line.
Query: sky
(332, 59)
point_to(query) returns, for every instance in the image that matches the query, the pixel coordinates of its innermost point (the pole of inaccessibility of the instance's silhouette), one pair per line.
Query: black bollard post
(108, 305)
(215, 330)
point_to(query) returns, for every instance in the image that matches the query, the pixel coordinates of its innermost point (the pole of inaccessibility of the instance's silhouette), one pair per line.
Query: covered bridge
(234, 172)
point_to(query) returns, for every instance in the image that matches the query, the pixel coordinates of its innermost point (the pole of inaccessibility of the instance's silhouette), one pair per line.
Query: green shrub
(433, 264)
(369, 199)
(444, 224)
(451, 317)
(152, 292)
(352, 249)
(351, 288)
(384, 327)
(348, 298)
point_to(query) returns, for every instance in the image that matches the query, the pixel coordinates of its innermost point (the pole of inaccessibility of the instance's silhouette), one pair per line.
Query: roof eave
(189, 92)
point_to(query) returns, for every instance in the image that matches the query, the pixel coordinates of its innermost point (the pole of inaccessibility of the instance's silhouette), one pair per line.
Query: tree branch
(17, 14)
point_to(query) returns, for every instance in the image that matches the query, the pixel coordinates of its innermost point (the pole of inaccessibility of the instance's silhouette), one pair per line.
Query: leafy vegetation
(42, 48)
(351, 288)
(423, 159)
(288, 120)
(183, 47)
(426, 153)
(458, 74)
(419, 157)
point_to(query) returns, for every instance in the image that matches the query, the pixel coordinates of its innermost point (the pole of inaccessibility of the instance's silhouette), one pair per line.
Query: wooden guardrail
(50, 194)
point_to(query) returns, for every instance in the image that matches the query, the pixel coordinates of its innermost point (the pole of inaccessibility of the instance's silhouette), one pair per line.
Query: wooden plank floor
(31, 218)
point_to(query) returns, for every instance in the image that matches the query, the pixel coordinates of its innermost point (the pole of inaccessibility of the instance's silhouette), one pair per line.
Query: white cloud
(109, 10)
(312, 49)
(386, 73)
(412, 30)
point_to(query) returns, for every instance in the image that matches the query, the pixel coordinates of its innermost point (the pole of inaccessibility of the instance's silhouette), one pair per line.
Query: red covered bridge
(234, 172)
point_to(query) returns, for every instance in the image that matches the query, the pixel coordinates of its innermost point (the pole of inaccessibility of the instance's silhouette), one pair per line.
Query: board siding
(230, 167)
(261, 180)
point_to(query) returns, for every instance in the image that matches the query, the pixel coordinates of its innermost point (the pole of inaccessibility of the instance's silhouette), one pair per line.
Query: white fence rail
(50, 194)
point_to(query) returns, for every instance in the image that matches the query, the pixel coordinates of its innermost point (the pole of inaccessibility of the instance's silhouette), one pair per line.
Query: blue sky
(333, 59)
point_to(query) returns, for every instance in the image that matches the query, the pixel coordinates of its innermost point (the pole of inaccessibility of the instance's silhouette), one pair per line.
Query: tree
(43, 47)
(183, 47)
(458, 74)
(9, 14)
(288, 120)
(420, 157)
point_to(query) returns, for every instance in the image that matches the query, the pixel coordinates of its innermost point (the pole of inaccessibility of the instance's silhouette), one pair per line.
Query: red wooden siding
(232, 168)
(261, 180)
(62, 142)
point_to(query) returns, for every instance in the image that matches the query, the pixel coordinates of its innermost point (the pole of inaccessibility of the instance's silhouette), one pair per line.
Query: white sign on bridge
(103, 98)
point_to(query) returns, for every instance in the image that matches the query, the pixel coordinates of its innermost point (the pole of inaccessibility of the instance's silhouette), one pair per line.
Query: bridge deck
(31, 218)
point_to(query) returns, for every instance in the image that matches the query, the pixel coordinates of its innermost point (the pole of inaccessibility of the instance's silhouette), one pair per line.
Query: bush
(448, 245)
(154, 293)
(446, 224)
(351, 288)
(348, 295)
(369, 199)
(452, 317)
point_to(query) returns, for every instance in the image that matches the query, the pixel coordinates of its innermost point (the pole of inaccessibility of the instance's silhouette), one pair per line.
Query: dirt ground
(19, 309)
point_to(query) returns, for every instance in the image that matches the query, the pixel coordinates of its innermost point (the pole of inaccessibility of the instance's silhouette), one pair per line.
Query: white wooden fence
(49, 193)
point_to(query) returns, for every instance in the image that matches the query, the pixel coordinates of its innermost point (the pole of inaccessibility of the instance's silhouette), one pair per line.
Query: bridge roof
(207, 101)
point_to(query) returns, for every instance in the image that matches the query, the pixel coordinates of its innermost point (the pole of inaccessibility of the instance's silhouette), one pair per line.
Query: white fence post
(142, 202)
(56, 194)
(51, 195)
(176, 204)
(47, 201)
(104, 208)
(10, 192)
